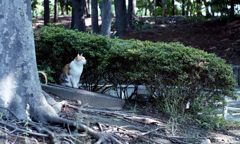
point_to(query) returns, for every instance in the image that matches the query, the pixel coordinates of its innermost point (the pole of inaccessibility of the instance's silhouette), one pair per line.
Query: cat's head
(80, 59)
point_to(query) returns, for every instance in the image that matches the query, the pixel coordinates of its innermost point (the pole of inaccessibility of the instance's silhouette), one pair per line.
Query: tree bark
(56, 11)
(46, 12)
(121, 23)
(78, 15)
(107, 16)
(94, 16)
(19, 81)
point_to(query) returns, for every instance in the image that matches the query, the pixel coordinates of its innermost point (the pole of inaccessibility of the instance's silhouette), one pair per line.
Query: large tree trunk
(107, 16)
(56, 11)
(121, 23)
(78, 15)
(94, 16)
(46, 12)
(19, 81)
(131, 11)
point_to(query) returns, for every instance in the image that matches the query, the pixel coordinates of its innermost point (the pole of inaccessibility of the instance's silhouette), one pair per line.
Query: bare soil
(141, 122)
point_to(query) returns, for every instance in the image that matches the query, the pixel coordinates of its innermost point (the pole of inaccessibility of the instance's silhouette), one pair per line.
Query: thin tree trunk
(78, 15)
(150, 7)
(72, 22)
(94, 16)
(212, 8)
(173, 8)
(46, 12)
(131, 11)
(121, 23)
(155, 15)
(145, 10)
(107, 16)
(164, 6)
(56, 11)
(66, 4)
(86, 9)
(62, 6)
(183, 7)
(206, 8)
(188, 5)
(199, 4)
(232, 9)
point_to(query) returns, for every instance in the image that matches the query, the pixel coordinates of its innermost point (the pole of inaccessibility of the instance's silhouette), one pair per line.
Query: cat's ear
(79, 58)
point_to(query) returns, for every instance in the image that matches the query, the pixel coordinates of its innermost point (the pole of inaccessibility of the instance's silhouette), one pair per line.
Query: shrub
(171, 71)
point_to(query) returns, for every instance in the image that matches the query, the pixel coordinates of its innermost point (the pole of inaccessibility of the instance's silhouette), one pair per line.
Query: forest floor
(141, 122)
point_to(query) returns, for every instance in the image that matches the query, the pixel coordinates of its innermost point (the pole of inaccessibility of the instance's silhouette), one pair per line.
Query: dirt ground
(217, 37)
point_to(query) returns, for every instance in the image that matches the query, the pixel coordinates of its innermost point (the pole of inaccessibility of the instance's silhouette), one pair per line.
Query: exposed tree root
(140, 128)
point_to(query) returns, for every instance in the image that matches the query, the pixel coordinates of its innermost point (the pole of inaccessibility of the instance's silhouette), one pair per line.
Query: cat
(72, 72)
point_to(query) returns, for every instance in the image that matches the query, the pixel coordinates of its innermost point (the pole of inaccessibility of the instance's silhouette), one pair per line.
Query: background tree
(121, 17)
(183, 7)
(78, 18)
(188, 11)
(34, 4)
(62, 3)
(131, 11)
(173, 8)
(55, 11)
(86, 8)
(46, 12)
(107, 16)
(94, 16)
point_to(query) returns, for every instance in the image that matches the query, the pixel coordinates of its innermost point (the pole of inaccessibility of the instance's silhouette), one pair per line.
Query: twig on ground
(22, 130)
(9, 111)
(17, 136)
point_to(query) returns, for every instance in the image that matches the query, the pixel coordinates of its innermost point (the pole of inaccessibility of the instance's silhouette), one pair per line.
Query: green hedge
(171, 71)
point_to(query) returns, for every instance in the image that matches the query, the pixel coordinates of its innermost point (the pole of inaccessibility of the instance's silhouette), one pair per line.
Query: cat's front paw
(75, 87)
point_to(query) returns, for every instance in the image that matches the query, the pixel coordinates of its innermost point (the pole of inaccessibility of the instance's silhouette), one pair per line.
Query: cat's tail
(64, 80)
(45, 76)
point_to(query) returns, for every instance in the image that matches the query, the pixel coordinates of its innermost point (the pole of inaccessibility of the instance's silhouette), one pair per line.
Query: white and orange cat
(72, 72)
